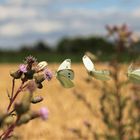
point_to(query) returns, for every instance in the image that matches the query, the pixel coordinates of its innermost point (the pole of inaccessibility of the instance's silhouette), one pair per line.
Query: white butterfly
(134, 75)
(65, 74)
(98, 74)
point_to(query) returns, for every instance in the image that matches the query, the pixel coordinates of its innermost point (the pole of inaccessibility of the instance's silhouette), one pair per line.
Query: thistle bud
(39, 85)
(42, 65)
(26, 99)
(19, 108)
(36, 99)
(9, 120)
(24, 119)
(29, 74)
(34, 114)
(3, 115)
(16, 74)
(24, 105)
(39, 77)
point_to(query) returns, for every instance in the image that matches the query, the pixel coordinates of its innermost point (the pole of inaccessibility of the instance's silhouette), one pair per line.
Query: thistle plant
(119, 103)
(122, 37)
(119, 111)
(31, 75)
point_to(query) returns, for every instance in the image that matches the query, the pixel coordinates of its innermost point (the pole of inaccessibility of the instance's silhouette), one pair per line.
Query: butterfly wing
(65, 74)
(66, 64)
(88, 63)
(134, 79)
(65, 82)
(101, 75)
(130, 69)
(68, 73)
(134, 76)
(136, 72)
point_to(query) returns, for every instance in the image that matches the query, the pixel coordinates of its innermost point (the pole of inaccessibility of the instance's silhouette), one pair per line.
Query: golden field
(65, 111)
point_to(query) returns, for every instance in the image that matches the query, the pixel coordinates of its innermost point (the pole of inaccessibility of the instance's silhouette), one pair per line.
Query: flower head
(48, 74)
(23, 68)
(43, 112)
(30, 60)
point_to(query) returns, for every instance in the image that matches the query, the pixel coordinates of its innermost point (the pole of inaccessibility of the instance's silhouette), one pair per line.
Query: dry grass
(65, 110)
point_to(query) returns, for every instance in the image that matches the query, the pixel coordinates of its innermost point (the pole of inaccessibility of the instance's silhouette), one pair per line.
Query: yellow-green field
(65, 111)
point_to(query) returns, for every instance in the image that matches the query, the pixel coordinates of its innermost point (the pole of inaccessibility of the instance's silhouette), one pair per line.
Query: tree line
(79, 45)
(73, 48)
(73, 45)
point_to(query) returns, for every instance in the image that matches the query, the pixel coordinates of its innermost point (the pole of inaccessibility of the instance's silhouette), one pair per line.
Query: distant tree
(97, 44)
(25, 48)
(41, 46)
(80, 45)
(63, 45)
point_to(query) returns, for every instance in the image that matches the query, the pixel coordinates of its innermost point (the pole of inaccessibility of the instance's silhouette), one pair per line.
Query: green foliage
(73, 48)
(80, 45)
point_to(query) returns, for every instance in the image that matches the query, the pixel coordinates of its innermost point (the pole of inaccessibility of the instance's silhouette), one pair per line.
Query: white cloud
(43, 2)
(14, 12)
(16, 29)
(136, 13)
(27, 2)
(46, 26)
(24, 19)
(11, 30)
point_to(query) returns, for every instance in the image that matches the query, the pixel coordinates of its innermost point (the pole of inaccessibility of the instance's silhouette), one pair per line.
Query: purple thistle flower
(48, 74)
(23, 68)
(43, 112)
(30, 60)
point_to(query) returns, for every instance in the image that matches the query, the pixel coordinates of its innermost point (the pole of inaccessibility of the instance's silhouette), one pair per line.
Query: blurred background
(47, 28)
(54, 30)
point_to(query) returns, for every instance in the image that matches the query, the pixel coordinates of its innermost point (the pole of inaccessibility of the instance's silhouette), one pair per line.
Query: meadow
(65, 110)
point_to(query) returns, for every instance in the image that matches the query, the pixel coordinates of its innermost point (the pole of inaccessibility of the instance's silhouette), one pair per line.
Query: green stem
(14, 97)
(7, 133)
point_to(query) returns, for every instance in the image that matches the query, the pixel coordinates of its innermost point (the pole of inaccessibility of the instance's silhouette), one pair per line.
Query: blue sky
(27, 21)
